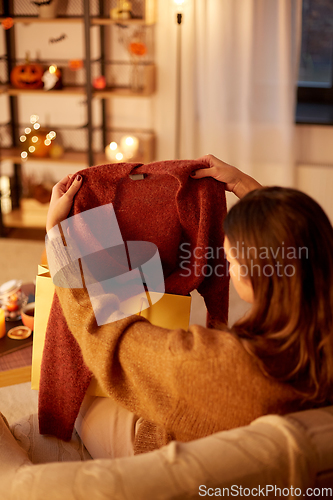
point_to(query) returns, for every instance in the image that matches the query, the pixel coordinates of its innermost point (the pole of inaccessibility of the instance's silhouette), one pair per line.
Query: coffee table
(16, 355)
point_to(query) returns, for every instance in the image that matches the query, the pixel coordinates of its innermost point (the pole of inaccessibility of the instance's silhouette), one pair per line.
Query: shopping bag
(43, 301)
(170, 311)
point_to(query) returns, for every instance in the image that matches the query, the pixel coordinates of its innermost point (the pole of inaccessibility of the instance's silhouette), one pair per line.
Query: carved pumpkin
(27, 76)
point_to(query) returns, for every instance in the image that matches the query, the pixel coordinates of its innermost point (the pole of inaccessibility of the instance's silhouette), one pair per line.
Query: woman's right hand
(235, 180)
(62, 200)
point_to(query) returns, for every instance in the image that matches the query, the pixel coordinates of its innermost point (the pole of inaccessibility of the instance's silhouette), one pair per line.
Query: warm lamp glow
(52, 68)
(119, 156)
(112, 151)
(129, 146)
(129, 141)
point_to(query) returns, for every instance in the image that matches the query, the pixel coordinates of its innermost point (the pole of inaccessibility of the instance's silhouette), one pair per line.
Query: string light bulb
(35, 140)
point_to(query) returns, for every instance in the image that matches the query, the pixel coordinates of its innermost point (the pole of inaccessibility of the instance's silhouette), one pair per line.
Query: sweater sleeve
(185, 382)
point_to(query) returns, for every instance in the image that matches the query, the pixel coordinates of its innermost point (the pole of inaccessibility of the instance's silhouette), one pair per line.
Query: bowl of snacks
(12, 299)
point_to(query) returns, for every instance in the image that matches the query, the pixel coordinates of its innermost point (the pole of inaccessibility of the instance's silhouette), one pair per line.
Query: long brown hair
(285, 240)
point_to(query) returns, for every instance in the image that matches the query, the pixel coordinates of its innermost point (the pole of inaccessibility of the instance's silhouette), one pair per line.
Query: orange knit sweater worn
(185, 385)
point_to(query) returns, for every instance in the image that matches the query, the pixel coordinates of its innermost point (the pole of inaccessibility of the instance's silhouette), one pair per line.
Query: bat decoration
(56, 40)
(43, 2)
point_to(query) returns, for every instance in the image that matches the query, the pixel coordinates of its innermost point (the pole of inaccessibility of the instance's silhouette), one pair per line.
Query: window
(315, 81)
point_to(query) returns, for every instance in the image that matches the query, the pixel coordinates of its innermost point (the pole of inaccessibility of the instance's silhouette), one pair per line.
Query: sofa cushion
(45, 449)
(318, 426)
(272, 451)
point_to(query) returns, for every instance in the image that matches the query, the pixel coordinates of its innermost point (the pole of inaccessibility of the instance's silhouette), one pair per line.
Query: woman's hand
(62, 200)
(236, 181)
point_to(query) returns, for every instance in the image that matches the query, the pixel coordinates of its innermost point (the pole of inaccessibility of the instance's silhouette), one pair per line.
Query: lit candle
(2, 323)
(113, 153)
(129, 146)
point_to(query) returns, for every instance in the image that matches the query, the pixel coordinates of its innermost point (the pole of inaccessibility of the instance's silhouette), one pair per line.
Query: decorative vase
(47, 9)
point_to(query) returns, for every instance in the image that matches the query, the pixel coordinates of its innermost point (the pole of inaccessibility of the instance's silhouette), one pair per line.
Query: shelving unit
(89, 13)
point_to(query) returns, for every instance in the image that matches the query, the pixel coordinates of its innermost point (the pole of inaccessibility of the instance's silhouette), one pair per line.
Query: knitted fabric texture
(167, 208)
(183, 384)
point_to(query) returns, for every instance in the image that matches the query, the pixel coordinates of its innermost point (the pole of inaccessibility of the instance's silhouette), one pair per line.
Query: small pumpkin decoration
(137, 48)
(75, 64)
(27, 76)
(7, 23)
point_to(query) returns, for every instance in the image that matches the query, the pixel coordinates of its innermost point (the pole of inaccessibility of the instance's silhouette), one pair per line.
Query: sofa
(274, 456)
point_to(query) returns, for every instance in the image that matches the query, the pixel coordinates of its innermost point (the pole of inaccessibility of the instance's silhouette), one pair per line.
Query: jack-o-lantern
(27, 76)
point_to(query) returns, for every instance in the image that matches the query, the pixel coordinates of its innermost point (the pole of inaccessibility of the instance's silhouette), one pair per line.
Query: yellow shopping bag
(171, 311)
(43, 301)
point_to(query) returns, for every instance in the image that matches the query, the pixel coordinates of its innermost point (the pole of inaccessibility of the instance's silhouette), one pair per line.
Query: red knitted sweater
(167, 208)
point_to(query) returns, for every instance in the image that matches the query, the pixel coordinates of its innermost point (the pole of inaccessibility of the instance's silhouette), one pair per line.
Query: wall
(314, 144)
(314, 158)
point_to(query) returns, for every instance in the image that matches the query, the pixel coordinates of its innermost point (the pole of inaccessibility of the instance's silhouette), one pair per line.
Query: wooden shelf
(97, 21)
(106, 93)
(100, 21)
(14, 154)
(32, 214)
(35, 19)
(147, 152)
(76, 90)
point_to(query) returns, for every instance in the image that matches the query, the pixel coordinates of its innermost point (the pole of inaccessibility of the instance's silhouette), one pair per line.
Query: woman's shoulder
(222, 344)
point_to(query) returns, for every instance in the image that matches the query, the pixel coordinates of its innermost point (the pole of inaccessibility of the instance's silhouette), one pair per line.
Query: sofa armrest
(270, 451)
(318, 426)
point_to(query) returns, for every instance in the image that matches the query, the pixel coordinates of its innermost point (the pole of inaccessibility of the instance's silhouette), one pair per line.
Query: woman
(180, 385)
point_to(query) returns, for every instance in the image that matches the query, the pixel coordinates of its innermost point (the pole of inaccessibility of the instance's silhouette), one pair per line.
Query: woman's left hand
(62, 200)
